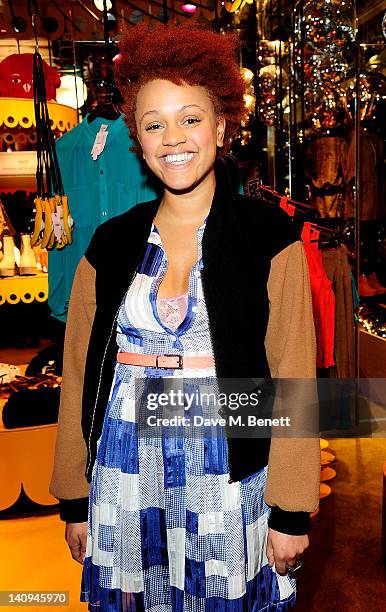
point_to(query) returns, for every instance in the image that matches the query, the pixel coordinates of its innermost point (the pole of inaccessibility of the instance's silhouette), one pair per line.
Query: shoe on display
(325, 491)
(27, 258)
(327, 473)
(365, 289)
(8, 263)
(375, 284)
(8, 373)
(41, 258)
(326, 457)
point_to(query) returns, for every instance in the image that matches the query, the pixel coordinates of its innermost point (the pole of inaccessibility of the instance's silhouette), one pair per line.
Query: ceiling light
(99, 5)
(189, 8)
(70, 94)
(19, 25)
(111, 21)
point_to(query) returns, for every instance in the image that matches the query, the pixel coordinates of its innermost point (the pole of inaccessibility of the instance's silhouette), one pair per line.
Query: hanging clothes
(97, 190)
(338, 269)
(323, 299)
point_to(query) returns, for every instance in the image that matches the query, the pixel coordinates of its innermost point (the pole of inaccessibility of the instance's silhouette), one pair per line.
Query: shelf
(20, 112)
(372, 350)
(26, 460)
(14, 289)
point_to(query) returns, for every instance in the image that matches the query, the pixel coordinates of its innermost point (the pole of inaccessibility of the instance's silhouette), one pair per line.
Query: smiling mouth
(178, 160)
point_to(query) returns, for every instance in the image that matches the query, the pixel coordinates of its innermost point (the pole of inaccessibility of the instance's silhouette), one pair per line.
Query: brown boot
(364, 289)
(375, 284)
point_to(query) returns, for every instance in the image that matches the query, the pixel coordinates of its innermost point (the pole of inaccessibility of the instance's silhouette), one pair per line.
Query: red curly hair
(183, 55)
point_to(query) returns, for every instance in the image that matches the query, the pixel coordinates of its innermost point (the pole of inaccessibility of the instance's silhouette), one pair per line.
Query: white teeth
(179, 158)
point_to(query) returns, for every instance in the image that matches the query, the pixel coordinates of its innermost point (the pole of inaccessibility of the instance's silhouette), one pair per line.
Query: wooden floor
(35, 557)
(343, 568)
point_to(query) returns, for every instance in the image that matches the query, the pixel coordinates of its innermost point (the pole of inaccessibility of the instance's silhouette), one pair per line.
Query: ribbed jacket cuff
(292, 523)
(74, 510)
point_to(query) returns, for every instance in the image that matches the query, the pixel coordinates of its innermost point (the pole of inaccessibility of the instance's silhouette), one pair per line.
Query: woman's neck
(190, 207)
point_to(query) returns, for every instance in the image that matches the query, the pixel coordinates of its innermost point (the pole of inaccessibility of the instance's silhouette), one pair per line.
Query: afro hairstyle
(182, 55)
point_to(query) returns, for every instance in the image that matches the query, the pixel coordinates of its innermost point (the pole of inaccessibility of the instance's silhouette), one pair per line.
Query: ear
(221, 123)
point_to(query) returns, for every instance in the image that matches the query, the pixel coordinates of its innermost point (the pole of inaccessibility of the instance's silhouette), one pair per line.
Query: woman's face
(179, 132)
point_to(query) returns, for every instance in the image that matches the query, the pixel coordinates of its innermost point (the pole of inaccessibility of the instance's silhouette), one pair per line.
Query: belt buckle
(179, 357)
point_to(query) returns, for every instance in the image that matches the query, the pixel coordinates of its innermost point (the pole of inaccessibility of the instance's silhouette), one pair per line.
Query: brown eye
(192, 120)
(153, 126)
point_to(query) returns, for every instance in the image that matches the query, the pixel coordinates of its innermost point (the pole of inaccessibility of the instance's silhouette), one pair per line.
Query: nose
(173, 135)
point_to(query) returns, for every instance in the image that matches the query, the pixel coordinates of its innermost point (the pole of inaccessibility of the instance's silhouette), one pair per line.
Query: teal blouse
(96, 190)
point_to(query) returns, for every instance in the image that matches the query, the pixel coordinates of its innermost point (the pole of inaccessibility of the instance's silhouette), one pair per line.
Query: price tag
(100, 141)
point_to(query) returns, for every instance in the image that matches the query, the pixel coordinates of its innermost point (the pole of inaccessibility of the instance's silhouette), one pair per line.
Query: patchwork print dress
(167, 532)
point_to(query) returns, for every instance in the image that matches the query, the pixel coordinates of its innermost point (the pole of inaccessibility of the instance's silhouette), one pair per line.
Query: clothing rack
(301, 207)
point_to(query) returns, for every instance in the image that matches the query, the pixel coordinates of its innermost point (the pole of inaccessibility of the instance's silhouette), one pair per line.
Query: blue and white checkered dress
(167, 532)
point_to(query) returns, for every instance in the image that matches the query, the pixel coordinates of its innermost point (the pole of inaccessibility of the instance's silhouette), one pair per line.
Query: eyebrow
(153, 112)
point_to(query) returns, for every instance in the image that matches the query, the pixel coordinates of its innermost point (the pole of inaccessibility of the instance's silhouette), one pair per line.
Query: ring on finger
(293, 570)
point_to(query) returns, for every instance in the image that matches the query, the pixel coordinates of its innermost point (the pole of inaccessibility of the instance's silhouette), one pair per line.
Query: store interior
(312, 142)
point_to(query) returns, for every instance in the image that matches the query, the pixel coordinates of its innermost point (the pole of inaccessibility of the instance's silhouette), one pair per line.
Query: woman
(198, 284)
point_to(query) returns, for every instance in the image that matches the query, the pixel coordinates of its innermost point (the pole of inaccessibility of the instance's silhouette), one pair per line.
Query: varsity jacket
(252, 262)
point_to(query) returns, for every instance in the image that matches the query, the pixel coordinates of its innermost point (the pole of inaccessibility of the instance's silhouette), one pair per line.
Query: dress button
(197, 274)
(194, 308)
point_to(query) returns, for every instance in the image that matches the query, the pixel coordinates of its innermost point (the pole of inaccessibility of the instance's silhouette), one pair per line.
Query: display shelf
(372, 350)
(26, 461)
(19, 112)
(14, 289)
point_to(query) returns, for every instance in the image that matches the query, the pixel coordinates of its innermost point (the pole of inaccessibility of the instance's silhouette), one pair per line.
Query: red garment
(323, 299)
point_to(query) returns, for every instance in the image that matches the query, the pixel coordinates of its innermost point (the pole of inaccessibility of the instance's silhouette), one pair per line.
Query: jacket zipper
(101, 371)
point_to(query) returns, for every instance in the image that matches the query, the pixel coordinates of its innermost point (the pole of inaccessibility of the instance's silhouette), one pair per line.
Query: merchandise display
(193, 304)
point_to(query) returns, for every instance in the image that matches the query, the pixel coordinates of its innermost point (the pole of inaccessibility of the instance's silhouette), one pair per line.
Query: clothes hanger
(109, 98)
(324, 236)
(299, 205)
(105, 110)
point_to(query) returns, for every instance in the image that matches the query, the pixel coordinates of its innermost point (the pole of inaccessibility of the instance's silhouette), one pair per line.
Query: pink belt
(165, 361)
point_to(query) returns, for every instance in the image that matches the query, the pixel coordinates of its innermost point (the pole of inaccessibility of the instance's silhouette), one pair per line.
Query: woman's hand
(283, 548)
(76, 538)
